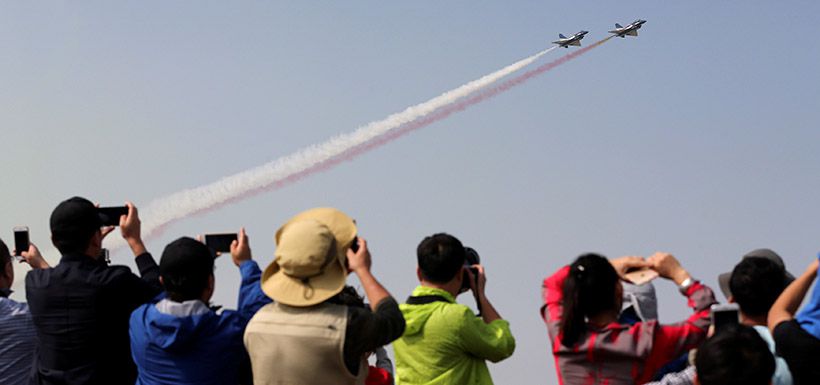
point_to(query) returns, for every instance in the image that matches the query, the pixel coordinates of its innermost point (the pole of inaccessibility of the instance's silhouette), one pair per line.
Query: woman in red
(581, 306)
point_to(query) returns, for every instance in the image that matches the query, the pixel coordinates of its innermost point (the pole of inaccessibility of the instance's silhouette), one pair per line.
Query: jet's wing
(633, 32)
(576, 43)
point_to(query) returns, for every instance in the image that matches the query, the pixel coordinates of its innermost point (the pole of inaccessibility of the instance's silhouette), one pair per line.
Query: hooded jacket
(188, 343)
(445, 343)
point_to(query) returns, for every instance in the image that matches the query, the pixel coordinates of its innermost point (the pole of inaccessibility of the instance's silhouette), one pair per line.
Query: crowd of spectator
(299, 322)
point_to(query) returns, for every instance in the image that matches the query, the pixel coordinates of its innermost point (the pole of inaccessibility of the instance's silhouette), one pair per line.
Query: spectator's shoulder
(457, 311)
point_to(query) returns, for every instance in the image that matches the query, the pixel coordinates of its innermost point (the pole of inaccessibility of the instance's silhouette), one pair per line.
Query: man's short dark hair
(73, 223)
(5, 255)
(735, 355)
(441, 256)
(185, 267)
(756, 283)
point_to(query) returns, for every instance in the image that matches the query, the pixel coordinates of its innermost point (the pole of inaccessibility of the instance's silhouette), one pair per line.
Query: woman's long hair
(589, 290)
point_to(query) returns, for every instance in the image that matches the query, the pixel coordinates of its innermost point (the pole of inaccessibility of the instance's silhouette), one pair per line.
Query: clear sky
(699, 137)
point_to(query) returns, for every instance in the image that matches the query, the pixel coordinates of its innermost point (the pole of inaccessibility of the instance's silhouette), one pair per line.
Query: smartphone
(725, 315)
(220, 242)
(110, 216)
(355, 244)
(21, 241)
(641, 276)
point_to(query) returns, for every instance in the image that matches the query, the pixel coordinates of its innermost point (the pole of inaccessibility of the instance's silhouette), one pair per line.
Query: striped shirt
(17, 341)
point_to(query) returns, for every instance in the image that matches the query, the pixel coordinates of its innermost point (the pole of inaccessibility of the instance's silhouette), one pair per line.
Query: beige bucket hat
(309, 266)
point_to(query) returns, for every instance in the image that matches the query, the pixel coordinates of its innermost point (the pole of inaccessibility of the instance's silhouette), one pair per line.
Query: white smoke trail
(168, 209)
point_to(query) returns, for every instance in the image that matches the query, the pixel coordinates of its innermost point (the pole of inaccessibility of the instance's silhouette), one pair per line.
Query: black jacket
(81, 309)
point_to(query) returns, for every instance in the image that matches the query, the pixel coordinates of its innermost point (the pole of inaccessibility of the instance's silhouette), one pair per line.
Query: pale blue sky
(699, 137)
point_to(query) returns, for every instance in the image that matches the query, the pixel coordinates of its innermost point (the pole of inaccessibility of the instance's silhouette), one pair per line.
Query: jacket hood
(172, 332)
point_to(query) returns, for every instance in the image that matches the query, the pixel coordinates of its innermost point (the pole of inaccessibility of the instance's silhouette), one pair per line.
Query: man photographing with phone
(17, 334)
(439, 330)
(179, 339)
(81, 307)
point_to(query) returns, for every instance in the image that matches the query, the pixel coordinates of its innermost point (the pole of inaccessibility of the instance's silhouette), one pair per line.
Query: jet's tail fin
(561, 35)
(618, 25)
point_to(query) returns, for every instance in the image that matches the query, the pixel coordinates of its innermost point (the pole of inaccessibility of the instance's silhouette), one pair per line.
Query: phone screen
(110, 216)
(220, 242)
(21, 241)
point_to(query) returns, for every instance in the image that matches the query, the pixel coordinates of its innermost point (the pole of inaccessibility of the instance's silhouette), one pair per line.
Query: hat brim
(296, 292)
(723, 282)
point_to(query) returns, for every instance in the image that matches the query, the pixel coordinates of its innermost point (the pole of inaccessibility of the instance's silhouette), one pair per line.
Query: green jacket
(445, 343)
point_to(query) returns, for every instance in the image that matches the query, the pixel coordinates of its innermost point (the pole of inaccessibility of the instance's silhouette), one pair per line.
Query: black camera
(470, 258)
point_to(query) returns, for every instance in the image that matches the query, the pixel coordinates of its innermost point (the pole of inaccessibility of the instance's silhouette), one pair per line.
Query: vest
(300, 345)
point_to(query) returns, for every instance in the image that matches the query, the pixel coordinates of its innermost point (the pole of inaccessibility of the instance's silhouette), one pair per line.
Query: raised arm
(131, 227)
(251, 296)
(789, 300)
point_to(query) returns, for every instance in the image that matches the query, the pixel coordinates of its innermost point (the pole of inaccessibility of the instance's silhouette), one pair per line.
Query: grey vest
(300, 345)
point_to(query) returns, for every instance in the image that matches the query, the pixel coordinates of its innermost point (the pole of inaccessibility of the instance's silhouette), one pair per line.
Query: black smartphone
(21, 240)
(355, 245)
(110, 216)
(220, 242)
(725, 315)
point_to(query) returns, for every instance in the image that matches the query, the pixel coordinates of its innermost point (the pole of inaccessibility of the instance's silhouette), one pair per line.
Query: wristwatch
(686, 284)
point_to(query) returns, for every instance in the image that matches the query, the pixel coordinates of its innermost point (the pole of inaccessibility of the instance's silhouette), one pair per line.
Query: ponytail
(588, 290)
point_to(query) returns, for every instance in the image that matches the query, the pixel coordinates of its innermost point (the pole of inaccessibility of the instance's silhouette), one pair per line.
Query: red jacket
(618, 353)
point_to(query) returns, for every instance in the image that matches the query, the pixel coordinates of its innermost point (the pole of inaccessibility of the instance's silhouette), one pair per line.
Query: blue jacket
(203, 348)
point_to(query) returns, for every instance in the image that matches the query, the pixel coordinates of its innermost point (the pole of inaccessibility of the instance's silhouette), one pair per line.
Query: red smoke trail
(443, 113)
(440, 114)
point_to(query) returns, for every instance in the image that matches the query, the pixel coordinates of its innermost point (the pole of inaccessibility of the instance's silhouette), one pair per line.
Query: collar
(426, 290)
(182, 309)
(5, 293)
(80, 257)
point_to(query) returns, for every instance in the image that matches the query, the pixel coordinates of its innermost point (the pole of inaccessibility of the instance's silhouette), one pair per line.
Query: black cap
(73, 223)
(185, 267)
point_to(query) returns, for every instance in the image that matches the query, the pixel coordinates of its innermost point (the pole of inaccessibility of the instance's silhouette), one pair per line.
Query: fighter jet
(631, 29)
(572, 40)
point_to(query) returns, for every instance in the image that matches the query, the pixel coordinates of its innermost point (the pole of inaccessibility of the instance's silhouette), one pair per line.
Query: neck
(753, 320)
(603, 319)
(449, 287)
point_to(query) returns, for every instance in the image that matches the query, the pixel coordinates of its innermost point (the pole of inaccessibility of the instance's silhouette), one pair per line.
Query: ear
(418, 274)
(697, 382)
(731, 299)
(209, 291)
(8, 271)
(161, 281)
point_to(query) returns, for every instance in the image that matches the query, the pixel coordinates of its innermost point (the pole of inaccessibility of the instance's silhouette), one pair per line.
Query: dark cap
(73, 222)
(185, 267)
(769, 254)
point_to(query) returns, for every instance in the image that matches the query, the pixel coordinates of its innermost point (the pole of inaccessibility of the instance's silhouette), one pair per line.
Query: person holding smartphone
(17, 334)
(582, 302)
(80, 307)
(178, 338)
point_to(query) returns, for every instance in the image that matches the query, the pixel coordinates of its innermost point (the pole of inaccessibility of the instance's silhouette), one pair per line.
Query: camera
(471, 258)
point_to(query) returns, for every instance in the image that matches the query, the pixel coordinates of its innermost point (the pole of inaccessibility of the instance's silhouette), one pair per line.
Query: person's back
(798, 337)
(590, 346)
(308, 335)
(81, 307)
(444, 342)
(79, 317)
(179, 339)
(17, 334)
